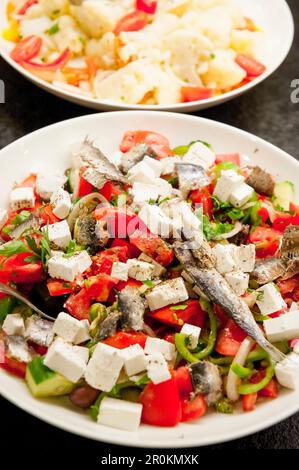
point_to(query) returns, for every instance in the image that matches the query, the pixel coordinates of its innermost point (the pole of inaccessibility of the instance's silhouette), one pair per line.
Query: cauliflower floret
(102, 50)
(217, 25)
(249, 42)
(54, 6)
(168, 89)
(35, 11)
(223, 71)
(129, 84)
(68, 35)
(36, 26)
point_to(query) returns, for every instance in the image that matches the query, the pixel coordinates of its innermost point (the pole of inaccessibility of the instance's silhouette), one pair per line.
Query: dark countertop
(267, 111)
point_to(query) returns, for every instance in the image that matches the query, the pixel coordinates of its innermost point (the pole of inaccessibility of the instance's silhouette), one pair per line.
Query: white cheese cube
(62, 358)
(226, 183)
(120, 414)
(39, 331)
(134, 358)
(164, 188)
(59, 234)
(156, 220)
(157, 345)
(140, 270)
(141, 173)
(269, 300)
(22, 198)
(82, 352)
(71, 329)
(199, 154)
(46, 185)
(159, 270)
(166, 293)
(104, 367)
(62, 203)
(225, 260)
(238, 281)
(154, 164)
(284, 327)
(14, 324)
(240, 195)
(68, 268)
(120, 271)
(3, 218)
(144, 192)
(193, 332)
(245, 257)
(287, 373)
(157, 368)
(168, 164)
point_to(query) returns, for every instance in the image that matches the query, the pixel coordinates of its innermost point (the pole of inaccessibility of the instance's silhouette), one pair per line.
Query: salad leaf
(14, 247)
(212, 229)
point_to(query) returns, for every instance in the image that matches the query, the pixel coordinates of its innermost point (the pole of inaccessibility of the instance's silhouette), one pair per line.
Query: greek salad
(171, 275)
(137, 51)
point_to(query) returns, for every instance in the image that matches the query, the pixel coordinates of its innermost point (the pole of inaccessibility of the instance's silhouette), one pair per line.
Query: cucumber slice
(284, 193)
(44, 382)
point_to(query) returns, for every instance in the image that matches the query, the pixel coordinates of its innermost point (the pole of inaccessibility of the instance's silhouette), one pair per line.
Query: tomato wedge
(266, 241)
(249, 401)
(183, 380)
(193, 409)
(148, 6)
(283, 220)
(84, 186)
(109, 190)
(14, 367)
(203, 196)
(192, 314)
(56, 287)
(190, 93)
(229, 339)
(123, 339)
(132, 22)
(15, 269)
(161, 404)
(252, 67)
(153, 246)
(26, 49)
(157, 142)
(47, 215)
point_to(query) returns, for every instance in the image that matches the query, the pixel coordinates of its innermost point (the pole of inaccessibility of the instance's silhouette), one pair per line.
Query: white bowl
(48, 149)
(274, 16)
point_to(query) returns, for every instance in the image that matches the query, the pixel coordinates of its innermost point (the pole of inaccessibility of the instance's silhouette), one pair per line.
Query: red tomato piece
(148, 6)
(203, 197)
(56, 287)
(26, 49)
(229, 157)
(283, 220)
(191, 93)
(99, 287)
(252, 67)
(264, 214)
(47, 215)
(46, 71)
(289, 285)
(123, 339)
(14, 367)
(221, 315)
(183, 380)
(270, 390)
(132, 250)
(157, 142)
(193, 409)
(132, 22)
(29, 182)
(26, 6)
(15, 269)
(153, 246)
(79, 304)
(229, 339)
(249, 401)
(161, 404)
(109, 190)
(130, 282)
(192, 314)
(41, 350)
(84, 187)
(266, 241)
(121, 221)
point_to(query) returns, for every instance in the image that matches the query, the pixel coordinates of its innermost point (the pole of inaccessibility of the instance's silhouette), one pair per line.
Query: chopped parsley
(53, 30)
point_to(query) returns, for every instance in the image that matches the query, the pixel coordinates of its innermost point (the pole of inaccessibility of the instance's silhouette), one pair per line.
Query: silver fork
(14, 293)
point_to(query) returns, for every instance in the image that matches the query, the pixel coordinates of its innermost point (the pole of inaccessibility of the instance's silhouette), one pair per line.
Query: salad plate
(35, 153)
(172, 86)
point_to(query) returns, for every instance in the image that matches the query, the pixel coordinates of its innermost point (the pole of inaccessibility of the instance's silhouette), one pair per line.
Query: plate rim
(92, 103)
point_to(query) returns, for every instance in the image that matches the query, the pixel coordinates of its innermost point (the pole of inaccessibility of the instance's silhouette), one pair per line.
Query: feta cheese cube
(39, 331)
(269, 300)
(168, 164)
(284, 327)
(227, 182)
(199, 154)
(238, 281)
(14, 324)
(156, 220)
(71, 329)
(46, 185)
(154, 164)
(159, 270)
(157, 345)
(157, 368)
(69, 268)
(62, 358)
(82, 352)
(287, 373)
(3, 218)
(225, 259)
(183, 217)
(62, 203)
(166, 293)
(240, 195)
(193, 332)
(144, 192)
(134, 358)
(141, 173)
(140, 270)
(120, 271)
(104, 367)
(245, 258)
(59, 234)
(22, 198)
(120, 414)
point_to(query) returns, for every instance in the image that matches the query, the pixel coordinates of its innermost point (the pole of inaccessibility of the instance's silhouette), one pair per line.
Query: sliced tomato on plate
(266, 241)
(26, 49)
(134, 21)
(252, 67)
(229, 339)
(190, 93)
(193, 409)
(14, 367)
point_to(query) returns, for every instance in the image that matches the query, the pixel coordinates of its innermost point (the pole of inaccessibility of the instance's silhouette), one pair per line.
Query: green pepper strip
(247, 389)
(257, 354)
(221, 361)
(180, 338)
(240, 371)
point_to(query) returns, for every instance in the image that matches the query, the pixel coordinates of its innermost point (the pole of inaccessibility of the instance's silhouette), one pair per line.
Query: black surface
(267, 111)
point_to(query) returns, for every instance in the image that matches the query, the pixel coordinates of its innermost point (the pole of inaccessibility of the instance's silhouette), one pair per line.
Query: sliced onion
(240, 358)
(271, 210)
(237, 228)
(75, 212)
